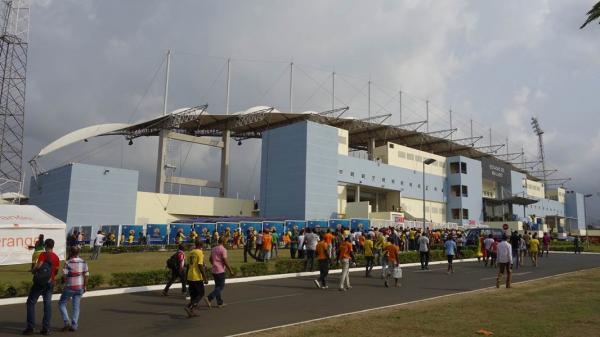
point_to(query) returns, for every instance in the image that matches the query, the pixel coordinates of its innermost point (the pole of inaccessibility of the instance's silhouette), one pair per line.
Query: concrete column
(160, 162)
(225, 163)
(371, 149)
(357, 198)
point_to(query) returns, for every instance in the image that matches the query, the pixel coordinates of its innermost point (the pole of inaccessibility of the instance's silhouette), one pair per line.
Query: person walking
(267, 245)
(38, 248)
(577, 244)
(219, 262)
(328, 237)
(369, 257)
(545, 244)
(423, 244)
(98, 242)
(344, 257)
(391, 253)
(258, 251)
(176, 264)
(522, 250)
(534, 247)
(504, 261)
(196, 277)
(310, 242)
(75, 280)
(487, 245)
(275, 249)
(514, 243)
(322, 251)
(294, 242)
(450, 250)
(44, 274)
(248, 244)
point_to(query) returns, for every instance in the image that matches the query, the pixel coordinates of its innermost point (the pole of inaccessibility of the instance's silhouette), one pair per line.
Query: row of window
(393, 181)
(459, 190)
(418, 158)
(458, 167)
(456, 213)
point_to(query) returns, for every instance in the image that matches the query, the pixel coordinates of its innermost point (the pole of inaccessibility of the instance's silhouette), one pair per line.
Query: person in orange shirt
(267, 245)
(328, 237)
(345, 255)
(323, 258)
(391, 251)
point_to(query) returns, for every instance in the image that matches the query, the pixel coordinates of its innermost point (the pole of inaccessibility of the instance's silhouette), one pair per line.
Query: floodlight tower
(539, 132)
(14, 36)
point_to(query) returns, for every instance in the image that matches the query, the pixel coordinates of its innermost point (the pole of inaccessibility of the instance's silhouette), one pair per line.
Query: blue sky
(497, 62)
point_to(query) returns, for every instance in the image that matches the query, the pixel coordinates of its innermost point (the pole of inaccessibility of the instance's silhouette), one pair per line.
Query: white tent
(20, 226)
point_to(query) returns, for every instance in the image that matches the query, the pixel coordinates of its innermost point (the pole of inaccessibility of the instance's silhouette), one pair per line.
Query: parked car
(473, 234)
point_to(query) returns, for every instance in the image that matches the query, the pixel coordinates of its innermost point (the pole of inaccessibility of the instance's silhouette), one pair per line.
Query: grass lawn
(125, 262)
(562, 306)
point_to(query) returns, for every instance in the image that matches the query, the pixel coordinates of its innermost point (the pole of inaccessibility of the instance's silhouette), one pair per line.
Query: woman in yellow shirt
(534, 248)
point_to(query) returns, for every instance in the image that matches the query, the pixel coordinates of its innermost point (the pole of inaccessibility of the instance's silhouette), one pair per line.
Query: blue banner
(222, 226)
(290, 224)
(181, 232)
(278, 225)
(257, 226)
(132, 234)
(112, 234)
(205, 231)
(360, 224)
(318, 224)
(156, 234)
(337, 224)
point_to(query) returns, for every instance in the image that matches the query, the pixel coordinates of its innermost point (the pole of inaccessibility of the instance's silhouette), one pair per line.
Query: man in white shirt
(98, 242)
(423, 243)
(487, 245)
(310, 242)
(504, 261)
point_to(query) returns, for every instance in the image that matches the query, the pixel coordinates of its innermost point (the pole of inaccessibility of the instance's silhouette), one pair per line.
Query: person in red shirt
(391, 251)
(44, 290)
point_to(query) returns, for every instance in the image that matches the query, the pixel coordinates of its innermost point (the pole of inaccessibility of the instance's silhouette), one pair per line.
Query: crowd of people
(327, 246)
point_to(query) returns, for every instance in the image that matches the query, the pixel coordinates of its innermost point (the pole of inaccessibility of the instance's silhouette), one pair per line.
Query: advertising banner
(156, 234)
(290, 224)
(278, 225)
(112, 234)
(15, 243)
(318, 224)
(337, 224)
(205, 230)
(132, 234)
(180, 229)
(257, 226)
(223, 226)
(360, 224)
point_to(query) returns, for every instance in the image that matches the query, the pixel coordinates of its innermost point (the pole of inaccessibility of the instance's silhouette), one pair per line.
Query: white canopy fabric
(81, 134)
(20, 226)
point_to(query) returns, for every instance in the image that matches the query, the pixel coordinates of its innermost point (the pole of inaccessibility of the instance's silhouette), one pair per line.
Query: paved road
(263, 304)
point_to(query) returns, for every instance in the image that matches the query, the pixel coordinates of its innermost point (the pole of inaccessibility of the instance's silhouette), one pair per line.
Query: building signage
(496, 170)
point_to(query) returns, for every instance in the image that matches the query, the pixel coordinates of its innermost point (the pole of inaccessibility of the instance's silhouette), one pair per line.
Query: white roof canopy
(27, 216)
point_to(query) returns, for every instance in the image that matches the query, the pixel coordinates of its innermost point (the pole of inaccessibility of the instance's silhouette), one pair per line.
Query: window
(419, 186)
(410, 184)
(393, 181)
(401, 182)
(373, 178)
(391, 146)
(456, 213)
(410, 156)
(465, 191)
(401, 154)
(426, 187)
(435, 189)
(341, 171)
(362, 176)
(383, 180)
(465, 213)
(454, 167)
(455, 189)
(352, 174)
(463, 167)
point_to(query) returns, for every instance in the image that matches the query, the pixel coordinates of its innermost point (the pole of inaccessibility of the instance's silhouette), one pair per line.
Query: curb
(129, 290)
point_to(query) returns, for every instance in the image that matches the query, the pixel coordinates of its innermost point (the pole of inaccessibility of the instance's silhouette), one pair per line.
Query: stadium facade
(313, 166)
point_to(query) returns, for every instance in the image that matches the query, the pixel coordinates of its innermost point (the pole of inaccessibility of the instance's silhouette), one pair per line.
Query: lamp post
(587, 238)
(427, 161)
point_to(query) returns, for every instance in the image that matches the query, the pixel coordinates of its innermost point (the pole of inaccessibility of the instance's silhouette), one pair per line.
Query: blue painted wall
(575, 208)
(298, 166)
(351, 170)
(472, 179)
(88, 195)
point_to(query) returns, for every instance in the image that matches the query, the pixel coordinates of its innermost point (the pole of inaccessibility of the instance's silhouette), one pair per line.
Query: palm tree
(593, 14)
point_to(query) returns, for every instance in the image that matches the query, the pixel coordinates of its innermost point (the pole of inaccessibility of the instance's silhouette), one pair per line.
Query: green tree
(593, 14)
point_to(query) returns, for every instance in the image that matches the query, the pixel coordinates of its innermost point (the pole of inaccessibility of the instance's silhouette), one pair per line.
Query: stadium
(314, 166)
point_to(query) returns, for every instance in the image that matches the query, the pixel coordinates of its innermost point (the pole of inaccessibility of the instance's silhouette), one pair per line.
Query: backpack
(173, 261)
(43, 274)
